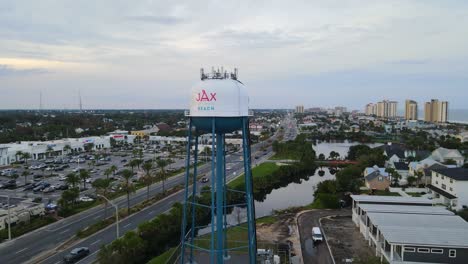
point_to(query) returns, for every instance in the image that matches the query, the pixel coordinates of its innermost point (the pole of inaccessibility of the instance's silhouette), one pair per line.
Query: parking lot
(46, 179)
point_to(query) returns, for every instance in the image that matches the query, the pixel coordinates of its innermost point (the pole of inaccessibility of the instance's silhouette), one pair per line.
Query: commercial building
(411, 110)
(410, 230)
(449, 186)
(300, 109)
(43, 149)
(436, 111)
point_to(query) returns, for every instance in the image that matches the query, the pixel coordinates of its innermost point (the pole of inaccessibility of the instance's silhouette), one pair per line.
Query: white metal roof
(390, 199)
(405, 209)
(416, 220)
(421, 235)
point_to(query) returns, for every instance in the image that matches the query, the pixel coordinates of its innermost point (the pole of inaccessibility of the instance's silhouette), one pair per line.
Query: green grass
(261, 170)
(162, 259)
(284, 156)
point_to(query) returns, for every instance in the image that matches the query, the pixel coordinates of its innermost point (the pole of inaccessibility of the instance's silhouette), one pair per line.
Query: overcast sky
(147, 54)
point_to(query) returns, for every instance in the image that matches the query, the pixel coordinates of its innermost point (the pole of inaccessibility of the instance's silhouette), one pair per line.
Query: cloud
(162, 20)
(6, 70)
(276, 38)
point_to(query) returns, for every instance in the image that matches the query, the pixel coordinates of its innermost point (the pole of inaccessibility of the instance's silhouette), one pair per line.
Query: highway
(40, 244)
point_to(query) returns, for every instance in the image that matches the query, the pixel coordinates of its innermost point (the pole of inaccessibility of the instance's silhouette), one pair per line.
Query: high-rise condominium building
(411, 110)
(436, 111)
(387, 109)
(300, 109)
(371, 109)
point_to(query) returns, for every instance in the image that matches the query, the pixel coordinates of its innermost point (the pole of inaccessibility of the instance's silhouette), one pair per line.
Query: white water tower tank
(219, 97)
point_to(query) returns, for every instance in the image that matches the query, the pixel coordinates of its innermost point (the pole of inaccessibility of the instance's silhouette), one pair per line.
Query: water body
(294, 194)
(340, 147)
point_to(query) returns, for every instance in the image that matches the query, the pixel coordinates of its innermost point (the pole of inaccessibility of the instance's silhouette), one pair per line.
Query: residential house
(402, 168)
(450, 186)
(443, 155)
(377, 181)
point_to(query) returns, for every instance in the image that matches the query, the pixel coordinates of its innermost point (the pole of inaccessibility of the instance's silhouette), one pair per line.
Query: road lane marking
(150, 212)
(64, 231)
(96, 217)
(95, 242)
(19, 251)
(127, 225)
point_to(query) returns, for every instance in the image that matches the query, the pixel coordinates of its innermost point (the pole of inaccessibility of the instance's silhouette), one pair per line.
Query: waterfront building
(411, 110)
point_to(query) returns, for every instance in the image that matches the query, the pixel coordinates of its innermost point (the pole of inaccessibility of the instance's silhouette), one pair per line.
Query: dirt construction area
(345, 240)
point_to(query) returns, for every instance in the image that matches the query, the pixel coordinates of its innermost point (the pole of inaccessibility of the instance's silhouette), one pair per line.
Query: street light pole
(9, 219)
(116, 213)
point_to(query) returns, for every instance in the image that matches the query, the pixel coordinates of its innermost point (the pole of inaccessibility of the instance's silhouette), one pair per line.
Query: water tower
(219, 104)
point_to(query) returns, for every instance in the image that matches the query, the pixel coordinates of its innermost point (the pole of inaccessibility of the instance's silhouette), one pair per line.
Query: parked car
(49, 189)
(62, 178)
(86, 199)
(62, 187)
(8, 184)
(317, 234)
(28, 187)
(76, 254)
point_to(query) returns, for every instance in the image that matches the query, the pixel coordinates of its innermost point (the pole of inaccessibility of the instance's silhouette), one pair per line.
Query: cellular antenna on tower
(81, 104)
(218, 74)
(40, 100)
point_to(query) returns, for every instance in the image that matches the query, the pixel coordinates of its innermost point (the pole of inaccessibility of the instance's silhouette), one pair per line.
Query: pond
(294, 194)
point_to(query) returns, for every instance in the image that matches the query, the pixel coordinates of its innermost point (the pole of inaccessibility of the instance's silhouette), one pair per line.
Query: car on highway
(76, 254)
(204, 180)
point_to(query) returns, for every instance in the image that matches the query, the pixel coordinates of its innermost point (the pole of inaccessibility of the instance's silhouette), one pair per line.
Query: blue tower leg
(248, 189)
(184, 212)
(194, 195)
(213, 138)
(219, 198)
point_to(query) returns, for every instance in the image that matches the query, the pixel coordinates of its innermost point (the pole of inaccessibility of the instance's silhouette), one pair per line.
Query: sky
(148, 54)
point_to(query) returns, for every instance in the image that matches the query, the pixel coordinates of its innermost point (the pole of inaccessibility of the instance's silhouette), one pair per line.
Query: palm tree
(67, 148)
(18, 155)
(133, 164)
(102, 188)
(84, 175)
(138, 162)
(49, 151)
(108, 172)
(25, 175)
(25, 156)
(148, 178)
(72, 179)
(162, 172)
(113, 168)
(128, 186)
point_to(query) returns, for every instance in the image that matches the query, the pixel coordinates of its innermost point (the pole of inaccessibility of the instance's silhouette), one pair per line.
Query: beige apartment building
(436, 111)
(300, 109)
(411, 110)
(387, 109)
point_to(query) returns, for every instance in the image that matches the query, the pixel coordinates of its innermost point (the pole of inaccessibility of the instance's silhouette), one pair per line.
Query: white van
(317, 234)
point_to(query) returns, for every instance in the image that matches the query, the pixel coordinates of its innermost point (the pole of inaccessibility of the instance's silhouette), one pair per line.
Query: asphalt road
(314, 253)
